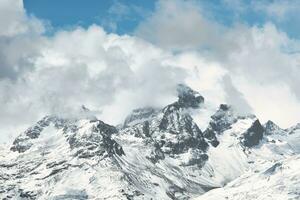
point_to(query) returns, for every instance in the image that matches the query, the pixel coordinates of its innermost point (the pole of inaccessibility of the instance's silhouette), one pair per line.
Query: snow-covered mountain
(157, 153)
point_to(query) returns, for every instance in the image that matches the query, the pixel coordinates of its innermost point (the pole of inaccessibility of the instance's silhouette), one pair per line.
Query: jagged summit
(272, 128)
(188, 98)
(24, 141)
(170, 130)
(158, 153)
(253, 135)
(293, 129)
(93, 141)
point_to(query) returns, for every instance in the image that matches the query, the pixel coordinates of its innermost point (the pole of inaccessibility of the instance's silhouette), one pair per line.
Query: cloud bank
(262, 61)
(254, 68)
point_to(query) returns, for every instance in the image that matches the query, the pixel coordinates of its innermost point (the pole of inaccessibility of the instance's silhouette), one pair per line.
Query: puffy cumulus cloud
(108, 73)
(278, 10)
(267, 60)
(18, 36)
(122, 12)
(178, 25)
(273, 101)
(14, 20)
(202, 75)
(253, 68)
(258, 56)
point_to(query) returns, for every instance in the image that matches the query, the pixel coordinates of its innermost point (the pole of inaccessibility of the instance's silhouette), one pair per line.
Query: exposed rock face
(55, 149)
(96, 141)
(220, 121)
(155, 154)
(172, 130)
(293, 129)
(223, 118)
(253, 135)
(175, 121)
(272, 128)
(188, 98)
(24, 141)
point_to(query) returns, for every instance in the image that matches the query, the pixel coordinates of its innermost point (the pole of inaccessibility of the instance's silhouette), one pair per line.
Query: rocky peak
(188, 98)
(171, 130)
(272, 128)
(223, 118)
(293, 129)
(24, 141)
(253, 135)
(220, 121)
(94, 139)
(86, 137)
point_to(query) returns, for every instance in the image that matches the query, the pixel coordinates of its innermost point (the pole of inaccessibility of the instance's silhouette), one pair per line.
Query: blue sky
(200, 42)
(68, 13)
(123, 16)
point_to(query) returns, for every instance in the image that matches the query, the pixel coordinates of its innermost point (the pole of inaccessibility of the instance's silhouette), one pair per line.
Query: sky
(120, 16)
(114, 56)
(123, 16)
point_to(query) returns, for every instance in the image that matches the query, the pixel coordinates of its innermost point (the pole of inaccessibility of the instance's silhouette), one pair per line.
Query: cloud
(120, 12)
(178, 25)
(260, 55)
(112, 74)
(14, 20)
(235, 97)
(107, 73)
(274, 101)
(278, 10)
(18, 36)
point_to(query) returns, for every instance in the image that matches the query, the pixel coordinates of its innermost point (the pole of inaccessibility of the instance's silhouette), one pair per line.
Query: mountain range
(157, 153)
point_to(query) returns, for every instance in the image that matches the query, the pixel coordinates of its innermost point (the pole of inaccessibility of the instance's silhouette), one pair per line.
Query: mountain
(157, 153)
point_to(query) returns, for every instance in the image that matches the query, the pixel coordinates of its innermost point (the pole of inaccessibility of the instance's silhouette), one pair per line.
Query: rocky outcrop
(223, 118)
(253, 135)
(96, 142)
(171, 130)
(220, 122)
(24, 141)
(272, 128)
(155, 154)
(188, 98)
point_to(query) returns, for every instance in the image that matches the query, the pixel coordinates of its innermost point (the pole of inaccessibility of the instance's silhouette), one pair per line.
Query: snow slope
(278, 180)
(185, 150)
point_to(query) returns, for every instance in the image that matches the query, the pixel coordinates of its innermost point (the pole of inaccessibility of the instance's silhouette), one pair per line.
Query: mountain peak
(156, 154)
(253, 135)
(188, 97)
(272, 128)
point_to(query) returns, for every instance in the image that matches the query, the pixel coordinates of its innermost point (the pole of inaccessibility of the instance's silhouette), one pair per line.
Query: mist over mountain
(157, 153)
(162, 99)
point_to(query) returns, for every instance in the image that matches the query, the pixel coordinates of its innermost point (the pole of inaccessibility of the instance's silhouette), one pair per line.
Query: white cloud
(19, 38)
(278, 10)
(14, 20)
(178, 25)
(121, 12)
(105, 72)
(260, 56)
(112, 74)
(273, 101)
